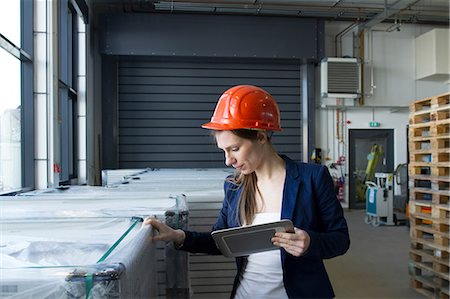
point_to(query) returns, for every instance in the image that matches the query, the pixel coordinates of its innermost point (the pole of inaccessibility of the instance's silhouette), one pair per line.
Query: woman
(268, 187)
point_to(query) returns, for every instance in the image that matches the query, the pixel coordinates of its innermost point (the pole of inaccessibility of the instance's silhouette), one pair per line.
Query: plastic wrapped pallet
(75, 243)
(76, 258)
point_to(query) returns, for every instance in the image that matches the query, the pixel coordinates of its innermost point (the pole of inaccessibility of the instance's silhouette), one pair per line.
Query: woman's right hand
(166, 233)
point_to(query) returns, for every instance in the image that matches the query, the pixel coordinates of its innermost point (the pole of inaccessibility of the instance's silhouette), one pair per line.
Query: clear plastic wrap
(181, 179)
(67, 246)
(90, 202)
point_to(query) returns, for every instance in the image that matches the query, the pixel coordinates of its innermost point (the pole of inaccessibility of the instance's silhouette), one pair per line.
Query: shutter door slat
(185, 123)
(198, 73)
(191, 131)
(187, 81)
(180, 140)
(197, 98)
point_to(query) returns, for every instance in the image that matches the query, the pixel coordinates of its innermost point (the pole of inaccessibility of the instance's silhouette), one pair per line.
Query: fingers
(151, 220)
(158, 225)
(164, 232)
(295, 251)
(294, 243)
(298, 235)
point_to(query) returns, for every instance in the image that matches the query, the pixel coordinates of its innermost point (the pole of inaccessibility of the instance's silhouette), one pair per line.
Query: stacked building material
(130, 265)
(429, 171)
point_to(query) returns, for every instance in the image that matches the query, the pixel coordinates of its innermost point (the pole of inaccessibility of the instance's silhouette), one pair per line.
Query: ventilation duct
(340, 78)
(432, 59)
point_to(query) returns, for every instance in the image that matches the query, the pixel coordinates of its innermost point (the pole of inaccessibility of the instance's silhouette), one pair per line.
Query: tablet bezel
(219, 236)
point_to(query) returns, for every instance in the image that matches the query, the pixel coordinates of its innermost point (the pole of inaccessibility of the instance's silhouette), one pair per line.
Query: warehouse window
(15, 95)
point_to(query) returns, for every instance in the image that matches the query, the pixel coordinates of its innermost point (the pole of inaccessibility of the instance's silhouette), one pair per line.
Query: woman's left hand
(296, 243)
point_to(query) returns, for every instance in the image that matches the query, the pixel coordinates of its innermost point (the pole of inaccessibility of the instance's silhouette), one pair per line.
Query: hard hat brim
(224, 127)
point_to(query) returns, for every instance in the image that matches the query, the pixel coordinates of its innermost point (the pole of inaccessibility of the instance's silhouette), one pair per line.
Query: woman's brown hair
(248, 182)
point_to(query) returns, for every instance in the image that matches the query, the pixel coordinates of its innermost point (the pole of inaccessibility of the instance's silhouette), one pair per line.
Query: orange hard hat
(245, 107)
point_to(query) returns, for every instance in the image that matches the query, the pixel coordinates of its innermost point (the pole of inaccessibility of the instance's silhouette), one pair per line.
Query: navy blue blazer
(310, 202)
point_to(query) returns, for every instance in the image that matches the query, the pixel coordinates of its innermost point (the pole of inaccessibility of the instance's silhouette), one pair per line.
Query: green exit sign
(374, 124)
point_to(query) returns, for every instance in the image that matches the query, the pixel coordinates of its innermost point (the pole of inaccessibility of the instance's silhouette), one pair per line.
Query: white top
(263, 276)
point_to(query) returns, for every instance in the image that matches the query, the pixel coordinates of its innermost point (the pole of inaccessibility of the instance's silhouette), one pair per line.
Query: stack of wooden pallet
(429, 171)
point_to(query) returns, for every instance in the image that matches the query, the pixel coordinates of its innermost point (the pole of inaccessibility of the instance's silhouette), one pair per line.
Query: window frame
(68, 90)
(27, 110)
(24, 53)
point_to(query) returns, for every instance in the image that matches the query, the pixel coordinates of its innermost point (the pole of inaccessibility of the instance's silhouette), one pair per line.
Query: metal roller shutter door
(163, 102)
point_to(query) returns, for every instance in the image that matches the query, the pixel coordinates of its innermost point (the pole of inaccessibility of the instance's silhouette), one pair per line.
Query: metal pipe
(340, 34)
(372, 85)
(361, 57)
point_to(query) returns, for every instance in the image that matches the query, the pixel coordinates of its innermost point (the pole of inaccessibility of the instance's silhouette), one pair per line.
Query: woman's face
(244, 155)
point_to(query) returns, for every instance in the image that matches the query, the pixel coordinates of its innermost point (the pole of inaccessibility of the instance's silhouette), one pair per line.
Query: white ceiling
(404, 11)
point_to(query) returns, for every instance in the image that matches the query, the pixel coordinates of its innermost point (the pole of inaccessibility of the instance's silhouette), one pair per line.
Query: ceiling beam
(389, 10)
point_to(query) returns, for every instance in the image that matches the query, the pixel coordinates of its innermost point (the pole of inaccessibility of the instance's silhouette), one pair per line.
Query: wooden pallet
(430, 156)
(423, 225)
(429, 205)
(429, 233)
(429, 103)
(429, 143)
(441, 114)
(438, 211)
(426, 194)
(433, 170)
(432, 128)
(437, 265)
(431, 183)
(427, 284)
(440, 100)
(440, 128)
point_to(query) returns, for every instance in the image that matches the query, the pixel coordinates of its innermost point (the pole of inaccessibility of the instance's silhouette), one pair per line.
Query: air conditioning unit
(340, 78)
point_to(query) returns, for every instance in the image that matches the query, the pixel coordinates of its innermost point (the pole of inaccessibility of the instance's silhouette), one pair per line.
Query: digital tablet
(245, 240)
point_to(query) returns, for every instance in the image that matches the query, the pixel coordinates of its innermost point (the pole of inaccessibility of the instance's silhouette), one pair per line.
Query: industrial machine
(379, 200)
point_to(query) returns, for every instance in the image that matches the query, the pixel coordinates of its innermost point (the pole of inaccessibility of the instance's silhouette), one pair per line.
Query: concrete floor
(376, 265)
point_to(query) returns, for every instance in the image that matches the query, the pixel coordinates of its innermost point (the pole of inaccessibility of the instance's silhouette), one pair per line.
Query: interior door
(364, 145)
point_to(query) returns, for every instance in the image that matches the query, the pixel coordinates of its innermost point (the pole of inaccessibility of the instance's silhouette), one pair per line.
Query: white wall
(393, 58)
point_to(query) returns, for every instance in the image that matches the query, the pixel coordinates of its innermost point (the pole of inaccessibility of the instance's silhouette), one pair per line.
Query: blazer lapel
(291, 187)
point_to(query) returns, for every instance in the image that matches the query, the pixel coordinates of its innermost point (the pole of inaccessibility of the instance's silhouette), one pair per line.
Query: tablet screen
(251, 241)
(241, 241)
